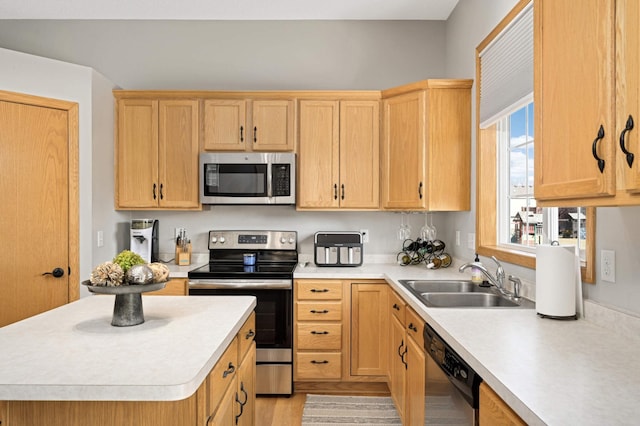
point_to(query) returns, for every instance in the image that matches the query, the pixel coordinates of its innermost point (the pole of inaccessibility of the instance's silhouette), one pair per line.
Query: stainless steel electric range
(260, 264)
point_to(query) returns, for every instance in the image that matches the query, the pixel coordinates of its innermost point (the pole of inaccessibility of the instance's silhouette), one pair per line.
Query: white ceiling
(229, 9)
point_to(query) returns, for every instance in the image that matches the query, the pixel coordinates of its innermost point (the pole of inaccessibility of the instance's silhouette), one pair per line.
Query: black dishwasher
(451, 386)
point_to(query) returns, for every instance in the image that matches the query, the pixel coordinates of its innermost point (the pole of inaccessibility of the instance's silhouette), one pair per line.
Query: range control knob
(222, 240)
(291, 239)
(214, 239)
(283, 240)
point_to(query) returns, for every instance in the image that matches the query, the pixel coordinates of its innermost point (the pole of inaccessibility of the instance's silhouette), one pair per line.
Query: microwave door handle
(269, 178)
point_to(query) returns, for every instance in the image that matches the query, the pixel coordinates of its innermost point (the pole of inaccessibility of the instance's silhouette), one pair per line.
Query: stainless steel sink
(460, 294)
(444, 286)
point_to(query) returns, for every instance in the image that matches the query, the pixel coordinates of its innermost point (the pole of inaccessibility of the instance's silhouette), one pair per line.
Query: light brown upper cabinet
(426, 147)
(157, 154)
(338, 154)
(586, 82)
(249, 125)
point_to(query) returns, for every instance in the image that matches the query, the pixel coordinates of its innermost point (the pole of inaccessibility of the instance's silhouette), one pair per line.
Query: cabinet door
(416, 371)
(318, 154)
(627, 96)
(369, 329)
(246, 394)
(224, 415)
(224, 126)
(178, 154)
(398, 365)
(137, 154)
(403, 155)
(273, 125)
(494, 412)
(574, 99)
(359, 154)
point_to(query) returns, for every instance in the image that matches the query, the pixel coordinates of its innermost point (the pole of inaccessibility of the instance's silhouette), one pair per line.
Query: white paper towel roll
(558, 282)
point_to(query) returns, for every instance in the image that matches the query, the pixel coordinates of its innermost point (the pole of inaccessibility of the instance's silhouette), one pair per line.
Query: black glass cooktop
(266, 270)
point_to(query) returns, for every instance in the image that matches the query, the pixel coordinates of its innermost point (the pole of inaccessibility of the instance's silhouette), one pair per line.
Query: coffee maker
(144, 238)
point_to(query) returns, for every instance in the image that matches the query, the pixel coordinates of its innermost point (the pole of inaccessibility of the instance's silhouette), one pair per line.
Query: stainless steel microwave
(248, 178)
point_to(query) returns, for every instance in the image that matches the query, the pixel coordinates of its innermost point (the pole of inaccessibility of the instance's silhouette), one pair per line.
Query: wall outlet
(608, 266)
(471, 240)
(100, 239)
(457, 238)
(365, 235)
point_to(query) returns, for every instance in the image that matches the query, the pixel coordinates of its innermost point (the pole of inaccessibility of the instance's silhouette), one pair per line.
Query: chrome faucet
(497, 281)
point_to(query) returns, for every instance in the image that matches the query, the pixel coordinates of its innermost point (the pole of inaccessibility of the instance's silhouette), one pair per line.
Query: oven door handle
(242, 284)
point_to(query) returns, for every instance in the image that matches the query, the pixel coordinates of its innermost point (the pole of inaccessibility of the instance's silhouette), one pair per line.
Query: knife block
(183, 255)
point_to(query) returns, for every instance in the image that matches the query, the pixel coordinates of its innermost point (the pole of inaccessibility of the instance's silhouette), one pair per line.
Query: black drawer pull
(250, 334)
(627, 128)
(594, 150)
(319, 290)
(319, 332)
(396, 307)
(229, 370)
(412, 327)
(319, 362)
(313, 311)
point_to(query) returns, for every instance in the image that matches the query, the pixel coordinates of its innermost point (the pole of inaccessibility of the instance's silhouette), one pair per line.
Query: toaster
(337, 248)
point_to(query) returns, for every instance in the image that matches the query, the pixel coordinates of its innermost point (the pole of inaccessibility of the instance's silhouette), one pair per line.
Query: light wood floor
(280, 411)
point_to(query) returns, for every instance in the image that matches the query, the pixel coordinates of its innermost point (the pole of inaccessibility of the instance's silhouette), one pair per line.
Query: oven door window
(235, 180)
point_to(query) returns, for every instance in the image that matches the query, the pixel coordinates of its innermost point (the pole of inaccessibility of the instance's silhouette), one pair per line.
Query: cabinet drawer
(318, 365)
(246, 335)
(319, 290)
(398, 306)
(319, 311)
(414, 326)
(222, 374)
(175, 287)
(319, 336)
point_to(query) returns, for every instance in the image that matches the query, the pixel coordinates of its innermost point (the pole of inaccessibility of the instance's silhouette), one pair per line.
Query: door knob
(57, 272)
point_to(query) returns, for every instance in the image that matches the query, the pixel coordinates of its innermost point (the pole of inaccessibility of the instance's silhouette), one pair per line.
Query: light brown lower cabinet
(494, 411)
(218, 401)
(175, 287)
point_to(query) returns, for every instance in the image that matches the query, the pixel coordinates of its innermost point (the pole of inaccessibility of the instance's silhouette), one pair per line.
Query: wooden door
(627, 96)
(225, 127)
(245, 408)
(574, 99)
(318, 153)
(416, 373)
(403, 155)
(397, 365)
(273, 125)
(178, 154)
(39, 220)
(369, 329)
(137, 183)
(359, 154)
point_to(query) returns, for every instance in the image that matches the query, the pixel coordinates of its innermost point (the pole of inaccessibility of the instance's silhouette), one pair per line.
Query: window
(509, 223)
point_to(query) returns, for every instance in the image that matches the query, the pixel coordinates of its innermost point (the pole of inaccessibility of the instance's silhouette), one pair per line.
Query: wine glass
(432, 229)
(404, 230)
(425, 231)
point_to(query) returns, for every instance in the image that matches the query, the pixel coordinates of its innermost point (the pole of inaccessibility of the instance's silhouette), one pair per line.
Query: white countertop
(73, 353)
(550, 372)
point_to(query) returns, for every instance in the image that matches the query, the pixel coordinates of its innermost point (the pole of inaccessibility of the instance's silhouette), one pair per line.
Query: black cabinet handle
(255, 135)
(396, 307)
(412, 327)
(420, 190)
(342, 187)
(322, 290)
(229, 370)
(250, 334)
(57, 272)
(241, 133)
(402, 358)
(324, 311)
(319, 332)
(335, 191)
(594, 150)
(242, 404)
(400, 348)
(627, 128)
(161, 191)
(313, 361)
(154, 191)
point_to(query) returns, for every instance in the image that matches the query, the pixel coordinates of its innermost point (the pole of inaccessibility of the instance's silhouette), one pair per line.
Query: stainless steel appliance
(451, 386)
(144, 238)
(337, 248)
(248, 178)
(260, 264)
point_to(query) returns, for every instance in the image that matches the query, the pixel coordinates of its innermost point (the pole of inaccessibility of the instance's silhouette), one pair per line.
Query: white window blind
(506, 69)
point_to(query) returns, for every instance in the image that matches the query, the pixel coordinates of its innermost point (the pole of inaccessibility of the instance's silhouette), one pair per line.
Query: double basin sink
(461, 294)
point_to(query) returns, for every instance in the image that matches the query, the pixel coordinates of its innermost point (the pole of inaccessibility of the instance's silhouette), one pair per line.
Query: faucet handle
(500, 270)
(517, 284)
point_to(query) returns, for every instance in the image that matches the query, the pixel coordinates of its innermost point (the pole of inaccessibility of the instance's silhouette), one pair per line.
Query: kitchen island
(69, 363)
